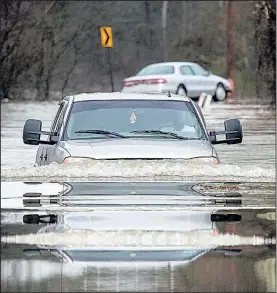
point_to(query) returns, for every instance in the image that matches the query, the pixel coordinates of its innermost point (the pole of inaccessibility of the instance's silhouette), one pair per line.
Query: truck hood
(139, 149)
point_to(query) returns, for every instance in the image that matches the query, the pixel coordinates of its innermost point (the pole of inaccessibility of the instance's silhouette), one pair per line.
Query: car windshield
(133, 118)
(154, 70)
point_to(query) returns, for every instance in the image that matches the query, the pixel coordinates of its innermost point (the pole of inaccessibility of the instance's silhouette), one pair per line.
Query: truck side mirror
(31, 131)
(233, 132)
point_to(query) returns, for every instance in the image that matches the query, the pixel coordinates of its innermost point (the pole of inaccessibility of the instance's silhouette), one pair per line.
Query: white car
(183, 78)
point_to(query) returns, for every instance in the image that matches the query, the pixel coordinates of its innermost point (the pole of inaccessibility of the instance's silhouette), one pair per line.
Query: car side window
(198, 70)
(186, 70)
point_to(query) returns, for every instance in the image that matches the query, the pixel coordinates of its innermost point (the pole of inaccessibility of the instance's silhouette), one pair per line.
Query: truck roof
(127, 96)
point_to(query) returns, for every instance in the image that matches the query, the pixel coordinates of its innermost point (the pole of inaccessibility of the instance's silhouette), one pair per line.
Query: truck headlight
(206, 160)
(70, 160)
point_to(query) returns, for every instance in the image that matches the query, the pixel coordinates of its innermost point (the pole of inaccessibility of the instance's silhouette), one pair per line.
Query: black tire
(220, 88)
(181, 88)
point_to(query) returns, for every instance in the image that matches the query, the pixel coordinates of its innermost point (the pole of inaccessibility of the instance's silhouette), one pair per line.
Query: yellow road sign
(106, 36)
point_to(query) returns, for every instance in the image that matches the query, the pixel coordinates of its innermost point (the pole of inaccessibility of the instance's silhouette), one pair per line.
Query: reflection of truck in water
(187, 222)
(137, 225)
(126, 206)
(128, 223)
(111, 196)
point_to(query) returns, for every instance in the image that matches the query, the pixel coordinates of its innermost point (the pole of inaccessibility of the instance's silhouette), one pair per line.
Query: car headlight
(206, 160)
(70, 160)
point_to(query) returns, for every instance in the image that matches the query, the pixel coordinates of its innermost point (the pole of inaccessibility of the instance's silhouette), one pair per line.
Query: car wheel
(220, 93)
(181, 91)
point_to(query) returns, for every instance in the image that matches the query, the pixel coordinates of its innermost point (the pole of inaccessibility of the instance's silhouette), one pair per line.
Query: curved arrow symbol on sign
(107, 37)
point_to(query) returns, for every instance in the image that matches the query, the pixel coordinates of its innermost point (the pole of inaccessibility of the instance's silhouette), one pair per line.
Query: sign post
(107, 42)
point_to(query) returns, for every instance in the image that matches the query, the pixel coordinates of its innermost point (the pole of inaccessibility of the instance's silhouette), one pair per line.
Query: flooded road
(253, 158)
(167, 226)
(136, 237)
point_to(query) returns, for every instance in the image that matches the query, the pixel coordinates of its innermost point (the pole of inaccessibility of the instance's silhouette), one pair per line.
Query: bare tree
(265, 37)
(54, 46)
(18, 51)
(58, 41)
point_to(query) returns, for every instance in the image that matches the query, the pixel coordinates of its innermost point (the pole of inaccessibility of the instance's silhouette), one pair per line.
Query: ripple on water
(170, 169)
(253, 159)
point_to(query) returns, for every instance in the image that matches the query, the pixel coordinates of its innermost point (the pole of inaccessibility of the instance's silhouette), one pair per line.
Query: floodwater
(253, 159)
(137, 237)
(160, 227)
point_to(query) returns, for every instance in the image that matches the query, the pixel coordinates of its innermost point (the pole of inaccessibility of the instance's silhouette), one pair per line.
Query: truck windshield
(133, 118)
(121, 255)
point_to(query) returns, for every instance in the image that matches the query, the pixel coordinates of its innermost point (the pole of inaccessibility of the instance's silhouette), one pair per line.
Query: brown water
(223, 267)
(254, 158)
(226, 268)
(193, 237)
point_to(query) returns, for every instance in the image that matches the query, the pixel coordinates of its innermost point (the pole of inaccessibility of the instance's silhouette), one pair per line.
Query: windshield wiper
(172, 134)
(104, 132)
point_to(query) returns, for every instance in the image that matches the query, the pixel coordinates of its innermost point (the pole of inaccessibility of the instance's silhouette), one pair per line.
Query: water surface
(254, 158)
